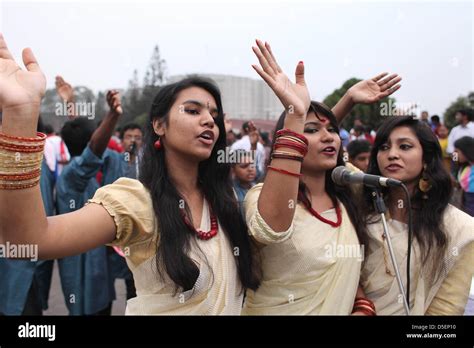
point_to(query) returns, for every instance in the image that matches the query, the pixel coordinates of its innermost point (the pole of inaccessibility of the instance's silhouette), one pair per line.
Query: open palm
(294, 96)
(374, 89)
(19, 87)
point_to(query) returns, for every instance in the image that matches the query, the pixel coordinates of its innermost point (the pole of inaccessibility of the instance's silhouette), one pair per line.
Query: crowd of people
(258, 232)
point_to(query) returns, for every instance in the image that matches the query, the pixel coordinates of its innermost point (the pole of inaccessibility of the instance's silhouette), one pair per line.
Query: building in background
(244, 98)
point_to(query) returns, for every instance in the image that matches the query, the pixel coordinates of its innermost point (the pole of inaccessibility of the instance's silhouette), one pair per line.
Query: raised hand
(294, 96)
(374, 89)
(20, 91)
(113, 100)
(253, 135)
(64, 89)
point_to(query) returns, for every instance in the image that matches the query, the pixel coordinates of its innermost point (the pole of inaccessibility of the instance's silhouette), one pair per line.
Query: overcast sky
(99, 43)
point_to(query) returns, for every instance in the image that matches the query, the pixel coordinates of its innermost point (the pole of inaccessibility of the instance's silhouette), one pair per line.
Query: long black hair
(342, 193)
(214, 181)
(428, 213)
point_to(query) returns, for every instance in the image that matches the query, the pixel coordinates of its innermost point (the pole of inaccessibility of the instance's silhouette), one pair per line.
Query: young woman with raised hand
(301, 220)
(179, 226)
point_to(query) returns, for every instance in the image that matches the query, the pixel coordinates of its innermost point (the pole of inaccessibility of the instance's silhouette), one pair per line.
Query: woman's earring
(424, 184)
(158, 144)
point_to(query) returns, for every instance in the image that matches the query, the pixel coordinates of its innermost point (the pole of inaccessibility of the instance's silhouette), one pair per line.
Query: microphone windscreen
(337, 175)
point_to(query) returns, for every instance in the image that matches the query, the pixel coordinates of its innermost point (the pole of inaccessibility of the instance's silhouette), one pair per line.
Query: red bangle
(40, 137)
(365, 301)
(284, 171)
(287, 131)
(20, 177)
(290, 157)
(302, 149)
(21, 148)
(364, 310)
(18, 186)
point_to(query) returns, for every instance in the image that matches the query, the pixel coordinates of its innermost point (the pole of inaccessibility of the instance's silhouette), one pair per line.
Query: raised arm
(366, 92)
(66, 93)
(102, 134)
(22, 216)
(277, 201)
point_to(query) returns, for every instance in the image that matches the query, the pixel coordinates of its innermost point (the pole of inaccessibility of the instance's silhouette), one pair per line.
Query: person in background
(244, 174)
(56, 153)
(87, 279)
(116, 136)
(267, 144)
(369, 134)
(442, 132)
(230, 135)
(132, 138)
(359, 154)
(248, 144)
(465, 127)
(435, 124)
(464, 151)
(425, 117)
(345, 137)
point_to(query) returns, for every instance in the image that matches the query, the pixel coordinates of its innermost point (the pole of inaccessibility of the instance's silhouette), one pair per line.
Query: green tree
(460, 103)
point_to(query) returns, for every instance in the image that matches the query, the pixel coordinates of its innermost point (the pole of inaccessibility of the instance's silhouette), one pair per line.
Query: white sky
(99, 43)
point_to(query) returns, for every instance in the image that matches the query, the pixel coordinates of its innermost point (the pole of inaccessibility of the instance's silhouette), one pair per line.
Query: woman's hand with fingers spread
(374, 89)
(20, 92)
(294, 96)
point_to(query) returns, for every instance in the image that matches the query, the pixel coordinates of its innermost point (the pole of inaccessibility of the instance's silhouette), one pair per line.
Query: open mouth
(330, 150)
(207, 137)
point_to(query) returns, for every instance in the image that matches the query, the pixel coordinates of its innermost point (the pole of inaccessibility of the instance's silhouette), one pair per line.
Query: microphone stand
(381, 209)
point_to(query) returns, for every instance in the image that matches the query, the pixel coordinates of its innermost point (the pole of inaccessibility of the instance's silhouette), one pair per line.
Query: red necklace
(307, 204)
(201, 234)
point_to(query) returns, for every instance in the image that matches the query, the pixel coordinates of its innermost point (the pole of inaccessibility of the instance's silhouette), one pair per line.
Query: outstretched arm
(366, 92)
(22, 216)
(277, 201)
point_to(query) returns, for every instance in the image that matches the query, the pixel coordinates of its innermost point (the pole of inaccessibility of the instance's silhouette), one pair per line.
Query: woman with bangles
(301, 219)
(179, 226)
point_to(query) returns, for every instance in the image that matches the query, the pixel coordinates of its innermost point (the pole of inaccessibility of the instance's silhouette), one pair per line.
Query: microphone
(132, 148)
(343, 176)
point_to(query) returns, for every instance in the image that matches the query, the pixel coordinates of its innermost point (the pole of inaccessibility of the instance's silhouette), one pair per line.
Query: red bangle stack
(20, 161)
(287, 139)
(365, 306)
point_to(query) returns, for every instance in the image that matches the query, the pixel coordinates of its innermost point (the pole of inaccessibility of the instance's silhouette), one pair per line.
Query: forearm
(22, 215)
(343, 107)
(277, 201)
(103, 133)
